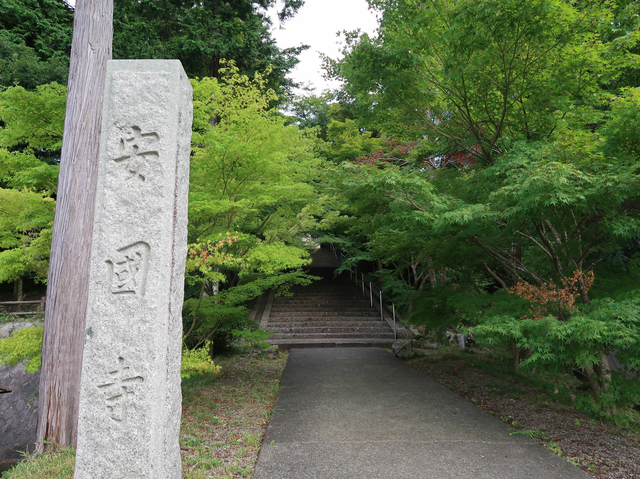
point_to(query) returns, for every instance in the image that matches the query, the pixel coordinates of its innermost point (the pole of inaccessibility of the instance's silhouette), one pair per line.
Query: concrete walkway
(362, 413)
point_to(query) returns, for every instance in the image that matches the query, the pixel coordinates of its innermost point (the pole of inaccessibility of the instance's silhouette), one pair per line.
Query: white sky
(316, 25)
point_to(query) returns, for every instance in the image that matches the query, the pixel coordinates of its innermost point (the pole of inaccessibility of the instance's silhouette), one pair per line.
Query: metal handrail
(363, 277)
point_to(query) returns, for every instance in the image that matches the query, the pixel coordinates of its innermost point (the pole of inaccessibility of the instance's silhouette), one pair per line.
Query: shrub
(197, 361)
(25, 344)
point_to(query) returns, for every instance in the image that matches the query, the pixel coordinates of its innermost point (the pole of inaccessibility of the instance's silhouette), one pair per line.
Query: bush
(254, 340)
(25, 344)
(197, 361)
(582, 342)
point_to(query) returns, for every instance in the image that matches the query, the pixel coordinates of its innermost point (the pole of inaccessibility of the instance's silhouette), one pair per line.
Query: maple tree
(509, 201)
(249, 197)
(30, 141)
(550, 299)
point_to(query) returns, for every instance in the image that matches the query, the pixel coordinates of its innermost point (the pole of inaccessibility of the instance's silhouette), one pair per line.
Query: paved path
(362, 413)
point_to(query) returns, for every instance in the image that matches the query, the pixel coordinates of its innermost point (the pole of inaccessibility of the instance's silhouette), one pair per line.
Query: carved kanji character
(136, 149)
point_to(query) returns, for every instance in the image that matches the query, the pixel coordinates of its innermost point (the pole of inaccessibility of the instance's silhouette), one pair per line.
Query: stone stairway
(327, 313)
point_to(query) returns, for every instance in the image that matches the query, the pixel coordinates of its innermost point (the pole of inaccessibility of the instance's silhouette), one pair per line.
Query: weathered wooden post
(69, 264)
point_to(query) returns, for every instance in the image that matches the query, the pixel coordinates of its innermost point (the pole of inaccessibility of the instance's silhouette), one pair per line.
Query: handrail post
(381, 312)
(395, 330)
(370, 294)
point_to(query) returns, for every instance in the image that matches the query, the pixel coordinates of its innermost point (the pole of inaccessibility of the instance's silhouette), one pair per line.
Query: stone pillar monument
(130, 397)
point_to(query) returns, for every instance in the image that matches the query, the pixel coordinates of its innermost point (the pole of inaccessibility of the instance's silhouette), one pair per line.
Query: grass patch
(57, 464)
(224, 418)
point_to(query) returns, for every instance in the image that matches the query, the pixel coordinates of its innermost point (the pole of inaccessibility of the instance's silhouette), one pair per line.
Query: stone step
(329, 329)
(387, 335)
(285, 344)
(336, 295)
(319, 314)
(332, 305)
(322, 301)
(327, 314)
(324, 319)
(323, 288)
(323, 323)
(304, 309)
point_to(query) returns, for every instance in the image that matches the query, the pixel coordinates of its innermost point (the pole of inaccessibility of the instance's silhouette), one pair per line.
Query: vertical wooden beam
(73, 225)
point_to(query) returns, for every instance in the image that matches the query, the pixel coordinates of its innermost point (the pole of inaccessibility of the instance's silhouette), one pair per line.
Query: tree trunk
(515, 365)
(432, 274)
(214, 69)
(584, 292)
(443, 275)
(592, 381)
(517, 253)
(410, 307)
(18, 289)
(73, 226)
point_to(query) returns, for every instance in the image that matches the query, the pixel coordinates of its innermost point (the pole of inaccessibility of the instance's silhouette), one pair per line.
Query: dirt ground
(599, 448)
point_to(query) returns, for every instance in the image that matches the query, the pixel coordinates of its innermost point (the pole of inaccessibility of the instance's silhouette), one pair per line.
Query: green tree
(21, 65)
(202, 34)
(250, 191)
(43, 25)
(35, 41)
(30, 143)
(35, 37)
(475, 76)
(521, 176)
(309, 110)
(346, 141)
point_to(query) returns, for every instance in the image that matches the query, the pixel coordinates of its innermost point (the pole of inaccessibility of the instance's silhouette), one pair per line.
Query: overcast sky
(316, 24)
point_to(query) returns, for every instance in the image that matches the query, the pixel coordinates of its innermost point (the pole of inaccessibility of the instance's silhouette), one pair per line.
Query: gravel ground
(602, 450)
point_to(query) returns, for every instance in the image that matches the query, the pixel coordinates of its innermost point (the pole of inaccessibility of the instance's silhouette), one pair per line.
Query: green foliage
(30, 142)
(249, 203)
(197, 361)
(471, 75)
(532, 433)
(26, 220)
(514, 169)
(347, 142)
(622, 133)
(216, 316)
(33, 120)
(43, 25)
(256, 340)
(35, 37)
(21, 65)
(24, 345)
(603, 328)
(201, 34)
(312, 111)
